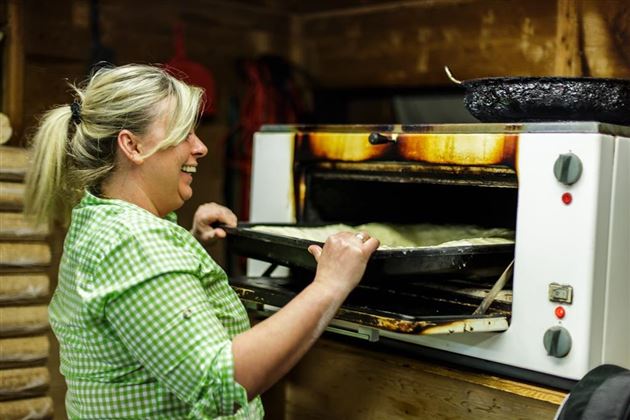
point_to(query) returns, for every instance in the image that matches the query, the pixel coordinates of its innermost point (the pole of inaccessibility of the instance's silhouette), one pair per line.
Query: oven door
(429, 290)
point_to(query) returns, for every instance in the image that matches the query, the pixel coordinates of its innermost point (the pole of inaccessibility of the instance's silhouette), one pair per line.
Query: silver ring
(361, 237)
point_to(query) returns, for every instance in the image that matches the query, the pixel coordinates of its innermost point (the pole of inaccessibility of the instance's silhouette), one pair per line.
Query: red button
(567, 198)
(560, 312)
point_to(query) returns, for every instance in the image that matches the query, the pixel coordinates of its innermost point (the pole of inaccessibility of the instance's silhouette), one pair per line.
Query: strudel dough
(394, 236)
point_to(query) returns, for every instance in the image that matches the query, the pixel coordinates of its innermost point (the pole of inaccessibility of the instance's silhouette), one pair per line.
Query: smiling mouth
(189, 169)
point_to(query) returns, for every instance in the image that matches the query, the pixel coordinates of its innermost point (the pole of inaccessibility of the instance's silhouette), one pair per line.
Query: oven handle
(377, 138)
(369, 334)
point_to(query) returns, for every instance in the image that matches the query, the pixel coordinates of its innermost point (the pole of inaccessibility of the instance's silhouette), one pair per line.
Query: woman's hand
(205, 216)
(341, 262)
(266, 352)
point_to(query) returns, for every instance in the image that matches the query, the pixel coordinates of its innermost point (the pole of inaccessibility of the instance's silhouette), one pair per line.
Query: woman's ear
(129, 145)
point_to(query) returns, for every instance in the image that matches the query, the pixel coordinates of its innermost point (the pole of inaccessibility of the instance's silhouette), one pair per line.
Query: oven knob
(568, 168)
(557, 342)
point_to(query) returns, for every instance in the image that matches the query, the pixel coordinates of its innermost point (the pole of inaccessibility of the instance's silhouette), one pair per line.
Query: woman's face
(167, 174)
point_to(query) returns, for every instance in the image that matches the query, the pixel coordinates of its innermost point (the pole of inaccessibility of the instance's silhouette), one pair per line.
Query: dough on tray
(401, 236)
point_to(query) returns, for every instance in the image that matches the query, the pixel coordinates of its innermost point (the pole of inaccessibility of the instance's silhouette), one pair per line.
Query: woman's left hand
(205, 216)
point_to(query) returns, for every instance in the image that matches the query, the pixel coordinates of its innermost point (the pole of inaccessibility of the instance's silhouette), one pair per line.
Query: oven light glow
(567, 198)
(560, 312)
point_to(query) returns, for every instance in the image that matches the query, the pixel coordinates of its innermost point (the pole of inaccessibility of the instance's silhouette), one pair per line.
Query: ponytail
(47, 197)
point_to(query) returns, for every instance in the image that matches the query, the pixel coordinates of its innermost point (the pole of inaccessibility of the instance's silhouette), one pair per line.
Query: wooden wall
(408, 43)
(338, 380)
(25, 259)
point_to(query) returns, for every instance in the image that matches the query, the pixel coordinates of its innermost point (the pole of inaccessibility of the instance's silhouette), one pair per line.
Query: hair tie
(75, 107)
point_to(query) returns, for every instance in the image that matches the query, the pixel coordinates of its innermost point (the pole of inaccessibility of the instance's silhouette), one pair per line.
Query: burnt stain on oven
(406, 310)
(480, 149)
(424, 156)
(342, 146)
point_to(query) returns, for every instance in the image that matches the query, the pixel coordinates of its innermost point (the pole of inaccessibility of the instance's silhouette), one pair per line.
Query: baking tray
(464, 260)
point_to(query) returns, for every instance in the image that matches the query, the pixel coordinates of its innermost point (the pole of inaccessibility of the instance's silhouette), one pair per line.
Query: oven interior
(400, 193)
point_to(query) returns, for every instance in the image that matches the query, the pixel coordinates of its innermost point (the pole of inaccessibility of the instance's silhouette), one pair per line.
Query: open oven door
(416, 291)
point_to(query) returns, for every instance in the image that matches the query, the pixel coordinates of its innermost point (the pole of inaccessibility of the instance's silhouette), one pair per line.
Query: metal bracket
(364, 333)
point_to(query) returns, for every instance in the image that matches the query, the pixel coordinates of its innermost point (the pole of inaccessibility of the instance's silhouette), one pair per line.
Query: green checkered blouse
(144, 319)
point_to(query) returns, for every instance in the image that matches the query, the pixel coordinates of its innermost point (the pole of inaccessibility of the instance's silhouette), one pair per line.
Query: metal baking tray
(464, 261)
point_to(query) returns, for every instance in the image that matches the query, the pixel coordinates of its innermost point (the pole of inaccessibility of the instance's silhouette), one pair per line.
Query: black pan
(464, 261)
(525, 99)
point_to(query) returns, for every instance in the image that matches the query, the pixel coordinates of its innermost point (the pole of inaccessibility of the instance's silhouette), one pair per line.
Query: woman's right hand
(341, 262)
(263, 354)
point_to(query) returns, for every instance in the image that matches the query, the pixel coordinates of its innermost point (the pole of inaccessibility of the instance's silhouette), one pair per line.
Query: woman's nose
(199, 149)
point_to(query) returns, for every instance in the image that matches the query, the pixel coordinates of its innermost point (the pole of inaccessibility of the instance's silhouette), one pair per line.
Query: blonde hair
(75, 149)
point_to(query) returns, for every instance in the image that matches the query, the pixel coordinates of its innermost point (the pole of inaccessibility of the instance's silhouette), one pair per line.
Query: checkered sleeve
(164, 317)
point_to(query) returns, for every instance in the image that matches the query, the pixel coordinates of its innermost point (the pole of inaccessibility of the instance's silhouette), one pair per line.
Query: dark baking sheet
(465, 261)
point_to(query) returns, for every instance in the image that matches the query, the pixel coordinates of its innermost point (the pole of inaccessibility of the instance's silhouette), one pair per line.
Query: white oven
(563, 186)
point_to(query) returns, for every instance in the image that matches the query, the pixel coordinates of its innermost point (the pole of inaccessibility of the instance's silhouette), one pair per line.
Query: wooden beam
(606, 29)
(12, 195)
(23, 287)
(14, 163)
(18, 352)
(568, 40)
(15, 226)
(23, 320)
(24, 254)
(13, 81)
(29, 408)
(20, 383)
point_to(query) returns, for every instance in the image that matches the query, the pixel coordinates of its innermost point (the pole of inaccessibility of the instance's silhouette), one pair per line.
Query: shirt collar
(90, 199)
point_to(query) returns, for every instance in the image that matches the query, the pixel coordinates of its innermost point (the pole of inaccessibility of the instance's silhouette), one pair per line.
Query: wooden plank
(11, 195)
(6, 131)
(14, 162)
(23, 287)
(22, 320)
(13, 68)
(16, 352)
(28, 408)
(389, 386)
(606, 32)
(568, 57)
(24, 254)
(24, 382)
(16, 226)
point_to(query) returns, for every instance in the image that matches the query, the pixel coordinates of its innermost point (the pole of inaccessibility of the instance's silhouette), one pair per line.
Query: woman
(147, 324)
